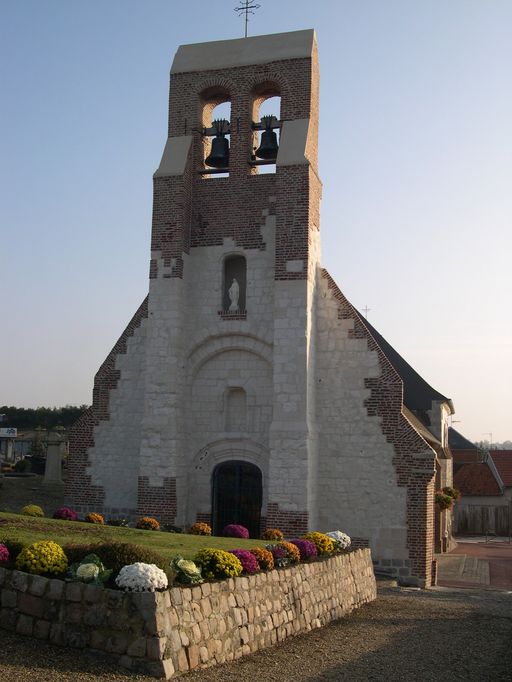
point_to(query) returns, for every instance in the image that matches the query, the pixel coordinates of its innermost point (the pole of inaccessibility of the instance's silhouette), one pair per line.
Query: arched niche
(234, 284)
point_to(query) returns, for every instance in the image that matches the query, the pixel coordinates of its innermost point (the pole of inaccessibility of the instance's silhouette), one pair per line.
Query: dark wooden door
(237, 495)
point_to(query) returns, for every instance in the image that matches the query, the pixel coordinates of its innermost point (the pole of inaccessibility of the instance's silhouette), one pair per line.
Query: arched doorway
(236, 496)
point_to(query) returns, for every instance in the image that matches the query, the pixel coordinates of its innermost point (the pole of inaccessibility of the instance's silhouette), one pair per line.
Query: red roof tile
(503, 462)
(476, 479)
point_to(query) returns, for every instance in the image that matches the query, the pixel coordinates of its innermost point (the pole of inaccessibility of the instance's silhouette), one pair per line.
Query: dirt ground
(404, 635)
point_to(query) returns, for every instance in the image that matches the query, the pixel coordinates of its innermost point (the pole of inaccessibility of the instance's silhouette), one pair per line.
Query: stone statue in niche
(234, 295)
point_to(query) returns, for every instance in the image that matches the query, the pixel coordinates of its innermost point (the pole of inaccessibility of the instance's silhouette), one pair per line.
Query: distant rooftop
(458, 442)
(503, 462)
(476, 479)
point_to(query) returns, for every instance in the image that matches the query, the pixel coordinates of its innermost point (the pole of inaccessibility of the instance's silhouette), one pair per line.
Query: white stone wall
(114, 460)
(357, 482)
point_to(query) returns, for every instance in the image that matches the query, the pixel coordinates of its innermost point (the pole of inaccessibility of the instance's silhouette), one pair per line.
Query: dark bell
(268, 147)
(219, 153)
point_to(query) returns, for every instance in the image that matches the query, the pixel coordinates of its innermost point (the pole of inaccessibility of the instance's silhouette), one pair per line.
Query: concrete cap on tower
(224, 54)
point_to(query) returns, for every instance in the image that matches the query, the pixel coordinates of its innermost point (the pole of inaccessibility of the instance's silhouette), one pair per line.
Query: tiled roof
(503, 462)
(476, 479)
(418, 395)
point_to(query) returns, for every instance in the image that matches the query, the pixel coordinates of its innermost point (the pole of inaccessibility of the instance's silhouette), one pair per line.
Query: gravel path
(406, 634)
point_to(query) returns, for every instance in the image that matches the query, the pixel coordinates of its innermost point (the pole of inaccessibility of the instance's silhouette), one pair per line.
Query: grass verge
(29, 529)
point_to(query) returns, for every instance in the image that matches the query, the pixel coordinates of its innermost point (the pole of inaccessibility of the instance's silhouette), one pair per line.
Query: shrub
(44, 557)
(234, 530)
(93, 517)
(14, 545)
(147, 523)
(32, 510)
(170, 528)
(115, 555)
(452, 492)
(249, 562)
(4, 553)
(216, 564)
(324, 544)
(443, 501)
(65, 513)
(306, 548)
(263, 557)
(272, 534)
(200, 528)
(123, 523)
(22, 466)
(140, 577)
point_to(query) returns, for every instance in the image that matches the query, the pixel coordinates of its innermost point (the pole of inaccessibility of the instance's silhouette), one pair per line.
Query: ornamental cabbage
(186, 571)
(141, 577)
(89, 570)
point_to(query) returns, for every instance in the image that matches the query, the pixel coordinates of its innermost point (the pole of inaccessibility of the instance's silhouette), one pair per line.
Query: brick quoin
(417, 475)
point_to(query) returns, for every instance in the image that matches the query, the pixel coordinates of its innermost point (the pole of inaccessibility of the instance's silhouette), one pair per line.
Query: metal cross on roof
(246, 7)
(366, 310)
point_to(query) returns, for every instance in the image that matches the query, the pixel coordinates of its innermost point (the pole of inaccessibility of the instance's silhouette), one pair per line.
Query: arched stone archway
(237, 494)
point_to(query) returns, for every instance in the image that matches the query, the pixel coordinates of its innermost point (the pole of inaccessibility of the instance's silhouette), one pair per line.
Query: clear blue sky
(415, 157)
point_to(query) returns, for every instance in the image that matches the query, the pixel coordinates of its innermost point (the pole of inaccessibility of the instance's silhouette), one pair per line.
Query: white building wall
(357, 482)
(114, 459)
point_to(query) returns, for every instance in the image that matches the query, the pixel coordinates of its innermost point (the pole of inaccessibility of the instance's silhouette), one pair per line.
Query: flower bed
(173, 631)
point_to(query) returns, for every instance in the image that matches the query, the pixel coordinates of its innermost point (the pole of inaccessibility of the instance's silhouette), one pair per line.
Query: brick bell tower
(204, 409)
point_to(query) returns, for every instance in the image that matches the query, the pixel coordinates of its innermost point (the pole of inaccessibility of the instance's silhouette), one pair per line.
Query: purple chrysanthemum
(306, 548)
(248, 560)
(65, 513)
(4, 553)
(233, 530)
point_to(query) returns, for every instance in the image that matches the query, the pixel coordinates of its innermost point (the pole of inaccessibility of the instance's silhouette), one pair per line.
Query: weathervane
(246, 7)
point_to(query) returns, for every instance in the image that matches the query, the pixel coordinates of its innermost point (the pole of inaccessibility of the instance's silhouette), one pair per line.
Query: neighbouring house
(485, 481)
(247, 388)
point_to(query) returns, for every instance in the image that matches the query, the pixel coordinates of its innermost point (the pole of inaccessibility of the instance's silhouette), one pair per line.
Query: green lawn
(29, 529)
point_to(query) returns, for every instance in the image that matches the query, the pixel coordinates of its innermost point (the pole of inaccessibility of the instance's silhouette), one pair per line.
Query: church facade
(246, 388)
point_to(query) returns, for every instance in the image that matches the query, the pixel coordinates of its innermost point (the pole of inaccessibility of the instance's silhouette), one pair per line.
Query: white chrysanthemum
(342, 539)
(87, 572)
(141, 577)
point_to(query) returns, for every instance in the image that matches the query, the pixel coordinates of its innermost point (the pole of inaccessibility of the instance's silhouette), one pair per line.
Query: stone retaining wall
(171, 632)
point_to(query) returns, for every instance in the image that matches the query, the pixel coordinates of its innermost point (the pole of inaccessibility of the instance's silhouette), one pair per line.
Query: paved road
(477, 564)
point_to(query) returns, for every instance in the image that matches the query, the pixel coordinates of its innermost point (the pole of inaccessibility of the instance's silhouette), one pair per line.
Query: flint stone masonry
(184, 628)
